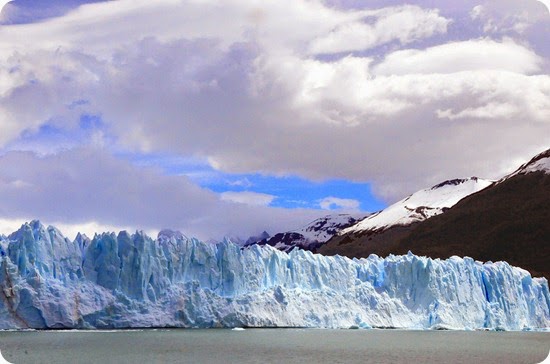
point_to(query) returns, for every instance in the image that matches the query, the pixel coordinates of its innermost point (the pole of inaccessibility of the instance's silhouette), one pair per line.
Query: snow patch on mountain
(542, 165)
(324, 228)
(123, 281)
(539, 163)
(311, 236)
(421, 205)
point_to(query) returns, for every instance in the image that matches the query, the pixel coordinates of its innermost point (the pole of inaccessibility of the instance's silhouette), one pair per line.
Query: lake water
(274, 346)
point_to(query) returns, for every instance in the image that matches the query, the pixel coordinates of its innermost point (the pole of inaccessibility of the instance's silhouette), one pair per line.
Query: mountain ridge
(420, 205)
(508, 221)
(311, 236)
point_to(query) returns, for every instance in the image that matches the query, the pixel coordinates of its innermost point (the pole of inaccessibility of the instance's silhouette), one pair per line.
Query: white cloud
(477, 11)
(546, 3)
(243, 182)
(490, 111)
(331, 203)
(404, 23)
(471, 55)
(347, 92)
(248, 198)
(508, 16)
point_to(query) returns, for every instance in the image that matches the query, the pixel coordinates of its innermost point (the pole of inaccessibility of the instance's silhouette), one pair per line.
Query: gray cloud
(80, 186)
(243, 89)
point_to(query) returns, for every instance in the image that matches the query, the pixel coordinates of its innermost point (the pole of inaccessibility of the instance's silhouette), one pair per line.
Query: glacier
(130, 280)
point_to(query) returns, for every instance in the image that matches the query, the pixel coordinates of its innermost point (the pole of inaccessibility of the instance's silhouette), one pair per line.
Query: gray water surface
(274, 346)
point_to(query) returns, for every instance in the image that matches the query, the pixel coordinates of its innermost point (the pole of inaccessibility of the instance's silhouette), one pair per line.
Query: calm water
(274, 346)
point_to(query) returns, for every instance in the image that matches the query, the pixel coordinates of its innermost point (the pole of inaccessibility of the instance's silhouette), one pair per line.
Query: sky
(227, 118)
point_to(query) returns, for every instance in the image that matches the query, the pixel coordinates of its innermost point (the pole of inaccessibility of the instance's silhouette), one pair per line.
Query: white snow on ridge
(322, 229)
(539, 163)
(421, 205)
(542, 165)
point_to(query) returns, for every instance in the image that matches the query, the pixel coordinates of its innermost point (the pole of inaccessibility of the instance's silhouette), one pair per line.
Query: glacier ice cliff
(119, 281)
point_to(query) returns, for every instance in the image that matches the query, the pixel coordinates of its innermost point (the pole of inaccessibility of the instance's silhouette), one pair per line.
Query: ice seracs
(130, 280)
(420, 205)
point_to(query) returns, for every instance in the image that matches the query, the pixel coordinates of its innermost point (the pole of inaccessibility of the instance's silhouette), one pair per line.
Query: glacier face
(116, 281)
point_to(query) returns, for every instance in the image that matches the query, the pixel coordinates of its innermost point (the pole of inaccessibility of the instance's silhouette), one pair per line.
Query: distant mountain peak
(311, 236)
(253, 239)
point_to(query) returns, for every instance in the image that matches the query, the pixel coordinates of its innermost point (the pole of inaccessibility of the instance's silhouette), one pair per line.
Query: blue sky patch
(290, 191)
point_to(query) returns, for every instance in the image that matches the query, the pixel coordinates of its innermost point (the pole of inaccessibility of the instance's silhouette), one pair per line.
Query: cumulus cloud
(500, 17)
(331, 203)
(248, 198)
(489, 111)
(471, 55)
(244, 85)
(404, 24)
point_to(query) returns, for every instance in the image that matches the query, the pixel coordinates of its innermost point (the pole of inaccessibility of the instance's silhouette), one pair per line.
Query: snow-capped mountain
(508, 220)
(311, 236)
(420, 206)
(539, 163)
(124, 280)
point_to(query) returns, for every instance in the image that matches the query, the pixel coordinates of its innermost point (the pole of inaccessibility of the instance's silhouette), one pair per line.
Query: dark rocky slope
(508, 221)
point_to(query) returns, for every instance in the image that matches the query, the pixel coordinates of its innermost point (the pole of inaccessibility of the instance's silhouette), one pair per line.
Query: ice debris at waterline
(123, 281)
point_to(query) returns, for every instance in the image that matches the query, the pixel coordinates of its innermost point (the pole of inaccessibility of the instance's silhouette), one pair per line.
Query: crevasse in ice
(116, 281)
